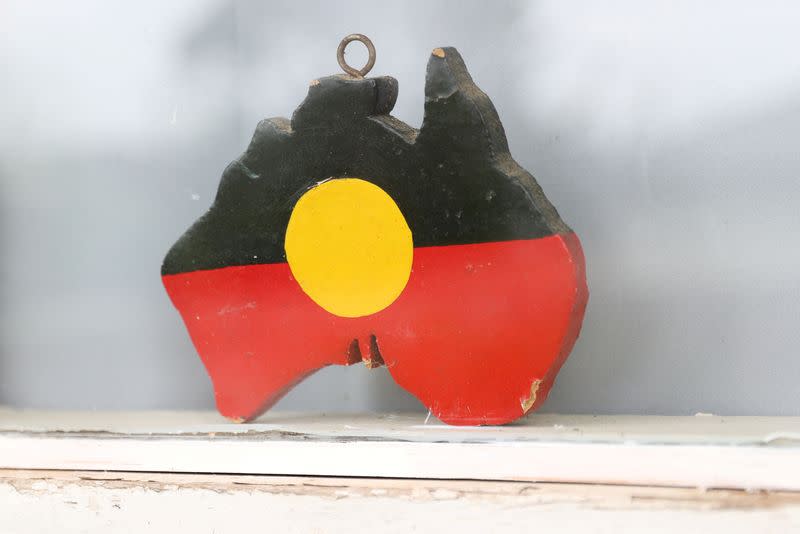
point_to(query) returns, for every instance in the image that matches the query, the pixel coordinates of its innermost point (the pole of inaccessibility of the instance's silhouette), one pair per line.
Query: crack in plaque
(528, 402)
(375, 358)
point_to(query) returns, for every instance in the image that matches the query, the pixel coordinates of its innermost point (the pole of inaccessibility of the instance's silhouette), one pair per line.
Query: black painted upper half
(454, 179)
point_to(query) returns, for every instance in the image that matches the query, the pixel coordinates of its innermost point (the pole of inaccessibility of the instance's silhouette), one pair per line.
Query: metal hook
(370, 50)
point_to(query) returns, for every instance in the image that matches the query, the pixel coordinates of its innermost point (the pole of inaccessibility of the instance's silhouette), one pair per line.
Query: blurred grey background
(666, 133)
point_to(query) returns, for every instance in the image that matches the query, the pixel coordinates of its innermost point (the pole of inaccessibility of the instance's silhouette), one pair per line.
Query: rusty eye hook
(370, 50)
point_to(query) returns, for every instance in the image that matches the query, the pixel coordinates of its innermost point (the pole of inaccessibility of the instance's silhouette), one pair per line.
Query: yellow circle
(349, 247)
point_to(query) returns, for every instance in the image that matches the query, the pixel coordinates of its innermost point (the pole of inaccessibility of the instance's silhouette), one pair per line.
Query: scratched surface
(699, 429)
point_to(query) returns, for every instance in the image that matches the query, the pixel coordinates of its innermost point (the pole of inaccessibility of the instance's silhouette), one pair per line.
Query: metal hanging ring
(370, 50)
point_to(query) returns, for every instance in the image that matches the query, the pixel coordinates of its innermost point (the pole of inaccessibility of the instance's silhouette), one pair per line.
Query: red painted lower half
(475, 327)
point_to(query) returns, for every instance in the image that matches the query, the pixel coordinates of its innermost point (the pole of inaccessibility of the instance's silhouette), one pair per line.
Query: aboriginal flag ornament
(345, 236)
